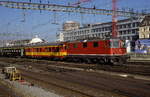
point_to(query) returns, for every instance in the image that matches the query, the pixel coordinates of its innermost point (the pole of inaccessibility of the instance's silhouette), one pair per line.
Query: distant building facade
(128, 29)
(70, 25)
(67, 26)
(144, 29)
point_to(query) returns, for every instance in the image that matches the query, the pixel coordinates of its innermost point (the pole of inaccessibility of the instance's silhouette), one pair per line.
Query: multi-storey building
(144, 30)
(128, 29)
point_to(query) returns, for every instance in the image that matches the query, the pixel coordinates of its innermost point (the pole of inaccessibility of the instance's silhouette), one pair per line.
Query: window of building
(124, 26)
(133, 31)
(129, 25)
(138, 24)
(124, 32)
(95, 44)
(102, 29)
(143, 36)
(120, 26)
(120, 32)
(134, 24)
(85, 45)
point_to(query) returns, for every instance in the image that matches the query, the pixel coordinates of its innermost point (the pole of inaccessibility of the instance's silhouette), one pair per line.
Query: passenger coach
(49, 50)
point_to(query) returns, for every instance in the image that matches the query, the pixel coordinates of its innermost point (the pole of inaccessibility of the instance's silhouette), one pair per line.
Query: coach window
(95, 44)
(27, 50)
(30, 50)
(75, 45)
(53, 49)
(40, 49)
(57, 49)
(49, 49)
(84, 45)
(37, 49)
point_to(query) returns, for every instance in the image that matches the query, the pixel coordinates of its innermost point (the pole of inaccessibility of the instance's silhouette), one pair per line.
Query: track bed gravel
(90, 84)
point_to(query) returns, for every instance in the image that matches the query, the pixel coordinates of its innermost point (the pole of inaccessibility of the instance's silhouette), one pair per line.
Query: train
(89, 51)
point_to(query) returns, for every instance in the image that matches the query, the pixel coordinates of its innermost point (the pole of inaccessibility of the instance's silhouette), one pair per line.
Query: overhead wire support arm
(63, 8)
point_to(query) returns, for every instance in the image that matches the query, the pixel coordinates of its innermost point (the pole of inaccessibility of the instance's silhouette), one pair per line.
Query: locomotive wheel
(101, 61)
(119, 61)
(88, 60)
(94, 60)
(76, 60)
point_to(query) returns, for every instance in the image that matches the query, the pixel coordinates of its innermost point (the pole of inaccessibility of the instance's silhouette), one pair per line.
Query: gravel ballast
(25, 89)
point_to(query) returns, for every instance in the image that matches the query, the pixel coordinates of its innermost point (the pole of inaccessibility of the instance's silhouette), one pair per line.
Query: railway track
(131, 67)
(81, 81)
(46, 82)
(94, 82)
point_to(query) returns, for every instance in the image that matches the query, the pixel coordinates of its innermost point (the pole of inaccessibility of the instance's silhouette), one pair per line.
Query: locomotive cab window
(123, 44)
(84, 45)
(95, 44)
(114, 44)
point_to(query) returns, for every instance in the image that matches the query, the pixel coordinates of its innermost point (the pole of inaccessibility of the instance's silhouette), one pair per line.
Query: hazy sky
(41, 24)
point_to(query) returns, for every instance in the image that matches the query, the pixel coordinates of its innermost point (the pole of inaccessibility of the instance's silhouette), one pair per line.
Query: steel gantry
(63, 8)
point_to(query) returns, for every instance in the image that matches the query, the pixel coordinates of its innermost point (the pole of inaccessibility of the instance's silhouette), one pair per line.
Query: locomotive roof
(89, 40)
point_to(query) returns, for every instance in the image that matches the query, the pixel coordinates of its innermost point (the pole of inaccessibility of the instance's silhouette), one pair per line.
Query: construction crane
(63, 8)
(114, 19)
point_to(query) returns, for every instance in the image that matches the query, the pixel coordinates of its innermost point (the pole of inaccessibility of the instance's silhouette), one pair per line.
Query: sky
(16, 24)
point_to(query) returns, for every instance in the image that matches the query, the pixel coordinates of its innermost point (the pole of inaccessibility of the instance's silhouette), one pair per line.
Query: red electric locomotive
(97, 51)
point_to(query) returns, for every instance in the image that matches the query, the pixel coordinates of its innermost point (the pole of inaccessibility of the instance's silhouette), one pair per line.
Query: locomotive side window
(95, 44)
(75, 45)
(84, 45)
